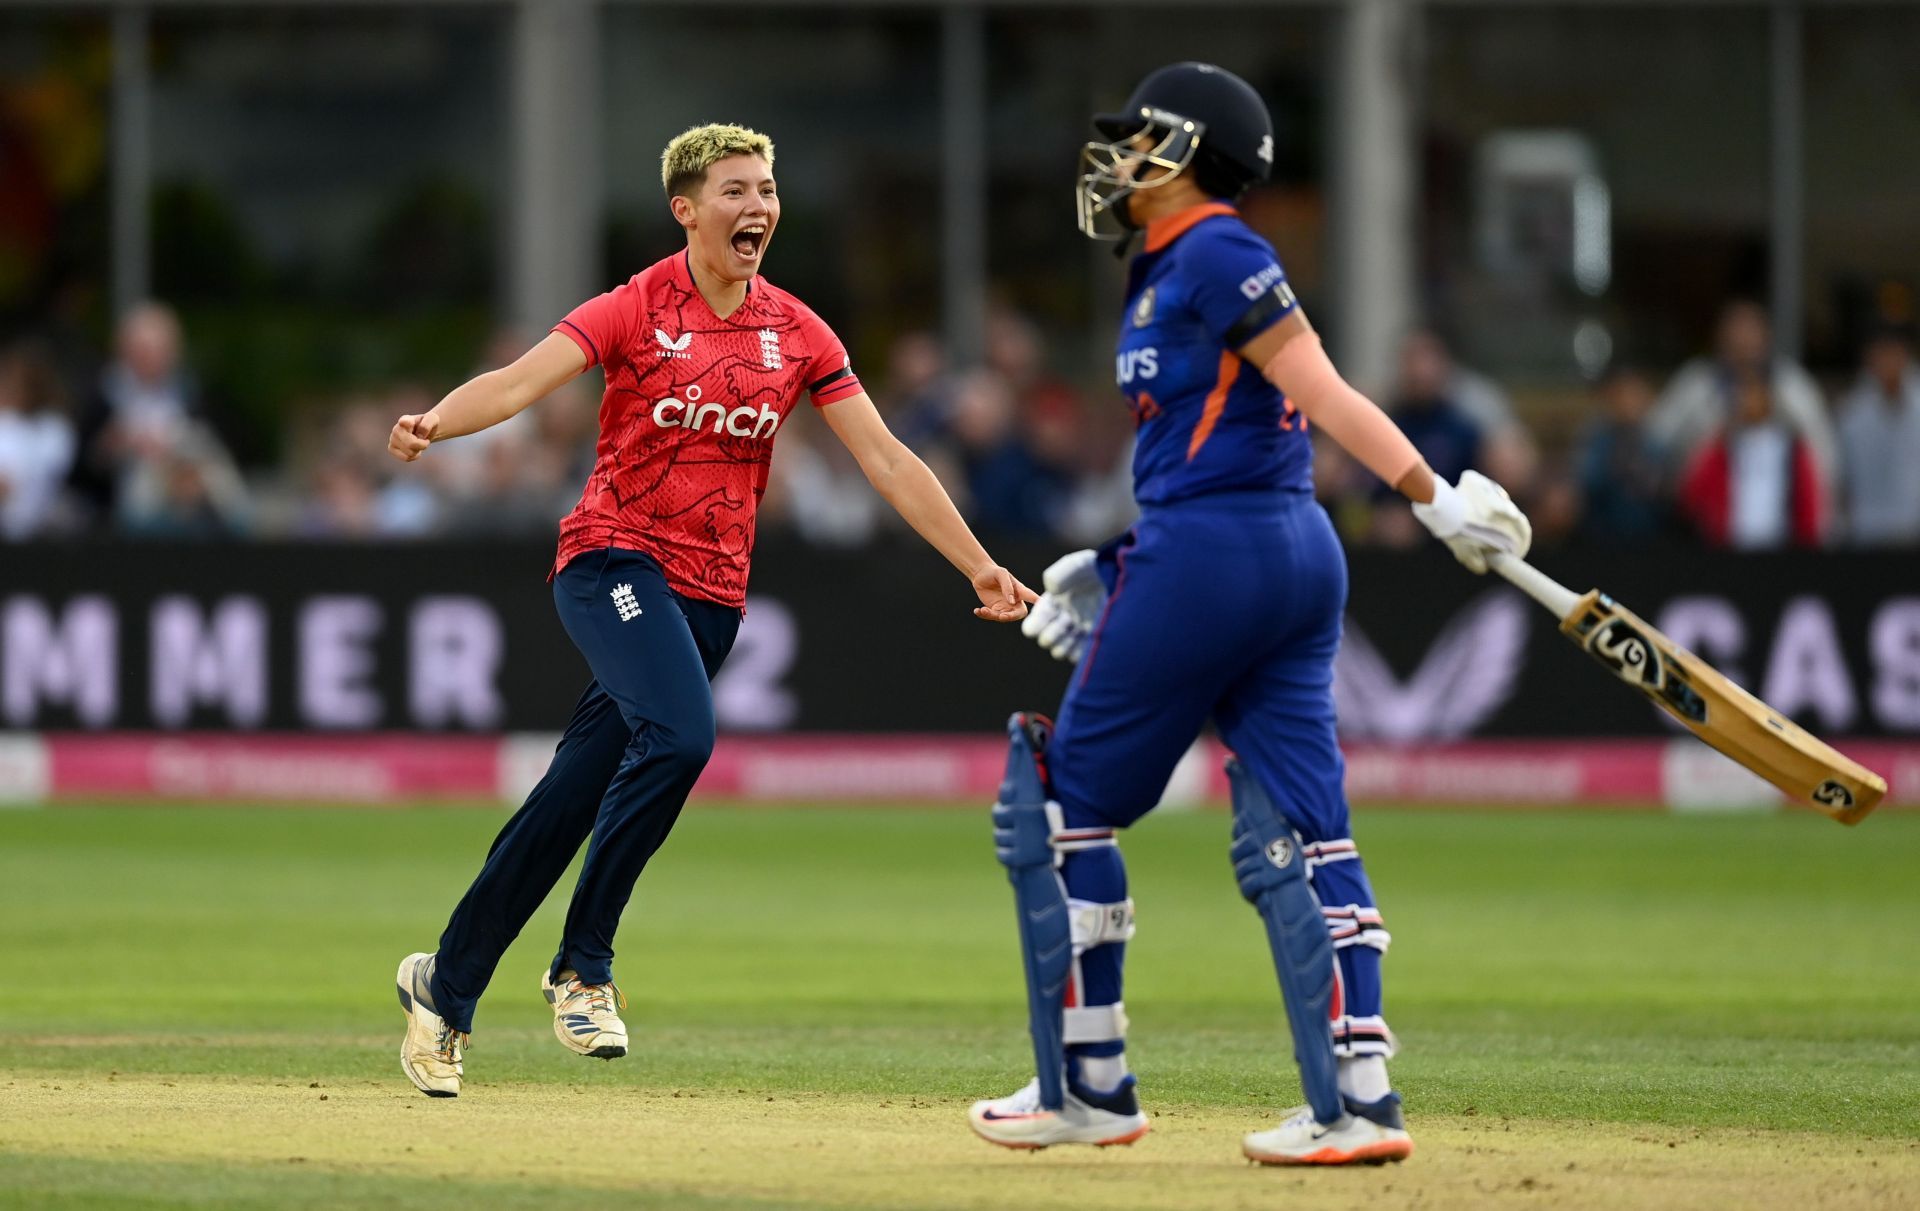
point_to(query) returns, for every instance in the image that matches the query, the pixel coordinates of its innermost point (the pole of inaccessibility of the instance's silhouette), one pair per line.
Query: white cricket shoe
(1370, 1134)
(586, 1017)
(432, 1052)
(1086, 1117)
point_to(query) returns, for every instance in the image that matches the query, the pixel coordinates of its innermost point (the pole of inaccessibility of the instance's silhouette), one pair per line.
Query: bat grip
(1558, 598)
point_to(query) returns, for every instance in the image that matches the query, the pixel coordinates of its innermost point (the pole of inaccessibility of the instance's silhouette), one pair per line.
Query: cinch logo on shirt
(690, 413)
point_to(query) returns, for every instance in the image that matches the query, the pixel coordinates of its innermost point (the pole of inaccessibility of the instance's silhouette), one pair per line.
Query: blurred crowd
(1737, 448)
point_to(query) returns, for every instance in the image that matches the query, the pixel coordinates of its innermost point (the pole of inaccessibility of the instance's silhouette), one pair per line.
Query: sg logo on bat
(1832, 794)
(1626, 651)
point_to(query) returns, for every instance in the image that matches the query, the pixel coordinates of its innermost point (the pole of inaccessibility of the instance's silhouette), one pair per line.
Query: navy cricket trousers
(1225, 607)
(639, 737)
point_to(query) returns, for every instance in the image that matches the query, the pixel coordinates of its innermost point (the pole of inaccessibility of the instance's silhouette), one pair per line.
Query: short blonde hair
(684, 164)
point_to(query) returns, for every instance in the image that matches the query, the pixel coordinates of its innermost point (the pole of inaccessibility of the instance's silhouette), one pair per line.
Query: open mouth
(748, 241)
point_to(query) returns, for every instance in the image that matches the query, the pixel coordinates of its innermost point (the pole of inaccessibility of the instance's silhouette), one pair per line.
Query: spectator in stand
(1880, 444)
(1508, 454)
(1621, 472)
(183, 485)
(141, 414)
(36, 443)
(918, 397)
(1086, 451)
(501, 492)
(1015, 353)
(1755, 484)
(568, 426)
(1425, 407)
(1011, 491)
(1700, 396)
(1090, 447)
(342, 500)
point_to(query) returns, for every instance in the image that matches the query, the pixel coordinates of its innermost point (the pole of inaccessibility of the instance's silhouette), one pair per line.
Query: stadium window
(1528, 127)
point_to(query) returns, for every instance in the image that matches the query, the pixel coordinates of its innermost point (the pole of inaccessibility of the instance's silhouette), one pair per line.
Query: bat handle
(1558, 598)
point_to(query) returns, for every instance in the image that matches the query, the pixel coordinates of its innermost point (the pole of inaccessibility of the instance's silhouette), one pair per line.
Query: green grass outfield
(196, 1008)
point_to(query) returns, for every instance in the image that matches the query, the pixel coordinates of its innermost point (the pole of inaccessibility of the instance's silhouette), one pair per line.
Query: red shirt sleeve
(604, 325)
(829, 377)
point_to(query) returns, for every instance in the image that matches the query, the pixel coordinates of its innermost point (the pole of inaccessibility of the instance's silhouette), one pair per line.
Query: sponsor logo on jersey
(1143, 310)
(1133, 364)
(1259, 283)
(673, 346)
(770, 349)
(690, 413)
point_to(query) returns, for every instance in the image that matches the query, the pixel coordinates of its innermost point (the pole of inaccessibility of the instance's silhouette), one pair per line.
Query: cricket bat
(1728, 718)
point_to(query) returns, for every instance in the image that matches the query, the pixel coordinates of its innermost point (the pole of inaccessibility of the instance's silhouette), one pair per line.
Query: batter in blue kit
(1222, 603)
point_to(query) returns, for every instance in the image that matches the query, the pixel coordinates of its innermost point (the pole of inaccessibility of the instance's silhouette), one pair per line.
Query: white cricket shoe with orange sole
(1370, 1134)
(586, 1017)
(1103, 1120)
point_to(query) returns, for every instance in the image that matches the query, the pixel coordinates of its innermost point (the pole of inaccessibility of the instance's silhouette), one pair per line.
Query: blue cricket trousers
(1224, 607)
(639, 737)
(1227, 608)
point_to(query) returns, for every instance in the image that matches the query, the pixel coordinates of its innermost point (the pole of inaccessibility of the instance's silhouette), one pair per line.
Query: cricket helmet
(1198, 116)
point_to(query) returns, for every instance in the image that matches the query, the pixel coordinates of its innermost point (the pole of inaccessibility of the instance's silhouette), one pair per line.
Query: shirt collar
(1168, 228)
(683, 271)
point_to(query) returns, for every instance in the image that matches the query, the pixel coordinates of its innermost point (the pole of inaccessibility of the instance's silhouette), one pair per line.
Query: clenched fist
(411, 435)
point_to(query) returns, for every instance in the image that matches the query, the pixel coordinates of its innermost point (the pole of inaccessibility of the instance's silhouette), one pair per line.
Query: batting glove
(1063, 619)
(1476, 519)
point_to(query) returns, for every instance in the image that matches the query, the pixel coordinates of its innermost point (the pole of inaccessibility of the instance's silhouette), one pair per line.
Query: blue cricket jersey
(1207, 421)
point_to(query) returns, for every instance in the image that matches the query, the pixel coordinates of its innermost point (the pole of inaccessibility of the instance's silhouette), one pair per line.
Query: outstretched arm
(1474, 518)
(913, 490)
(485, 401)
(1290, 356)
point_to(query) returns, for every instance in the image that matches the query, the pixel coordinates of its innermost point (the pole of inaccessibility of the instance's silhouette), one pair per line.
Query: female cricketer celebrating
(704, 359)
(1223, 602)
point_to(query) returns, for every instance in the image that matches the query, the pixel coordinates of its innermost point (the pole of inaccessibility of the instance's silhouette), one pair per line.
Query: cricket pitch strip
(147, 1141)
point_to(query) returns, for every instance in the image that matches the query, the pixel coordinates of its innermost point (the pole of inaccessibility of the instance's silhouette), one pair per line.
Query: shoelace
(448, 1043)
(600, 997)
